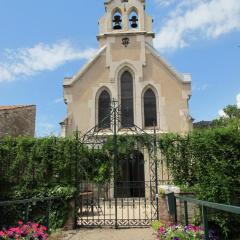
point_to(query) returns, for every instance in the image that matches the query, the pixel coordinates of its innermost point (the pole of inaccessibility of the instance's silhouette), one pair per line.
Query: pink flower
(25, 230)
(10, 234)
(20, 222)
(44, 228)
(35, 225)
(162, 230)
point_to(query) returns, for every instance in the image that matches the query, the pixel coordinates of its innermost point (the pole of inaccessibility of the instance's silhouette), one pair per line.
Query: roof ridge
(11, 107)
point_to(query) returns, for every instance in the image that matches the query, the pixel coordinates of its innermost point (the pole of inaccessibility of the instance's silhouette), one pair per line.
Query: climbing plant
(47, 167)
(208, 161)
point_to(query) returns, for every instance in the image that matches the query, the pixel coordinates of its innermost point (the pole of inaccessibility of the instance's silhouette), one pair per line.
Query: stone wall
(166, 218)
(17, 120)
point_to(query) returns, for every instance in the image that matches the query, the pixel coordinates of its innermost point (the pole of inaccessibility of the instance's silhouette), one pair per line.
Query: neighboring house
(129, 69)
(17, 120)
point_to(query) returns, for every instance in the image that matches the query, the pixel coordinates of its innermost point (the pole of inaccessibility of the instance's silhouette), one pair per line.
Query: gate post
(76, 180)
(156, 170)
(115, 158)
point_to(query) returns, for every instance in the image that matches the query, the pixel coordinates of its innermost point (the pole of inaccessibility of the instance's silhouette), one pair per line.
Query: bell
(117, 22)
(134, 22)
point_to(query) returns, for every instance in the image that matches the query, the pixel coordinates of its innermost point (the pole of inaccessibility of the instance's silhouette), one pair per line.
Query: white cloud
(4, 74)
(198, 19)
(58, 100)
(202, 87)
(238, 100)
(25, 62)
(222, 114)
(164, 3)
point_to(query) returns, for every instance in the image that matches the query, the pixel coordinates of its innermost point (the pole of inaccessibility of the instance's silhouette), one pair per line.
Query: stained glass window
(104, 103)
(127, 116)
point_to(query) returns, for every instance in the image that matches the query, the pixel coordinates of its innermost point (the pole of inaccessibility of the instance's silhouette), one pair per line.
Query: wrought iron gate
(130, 197)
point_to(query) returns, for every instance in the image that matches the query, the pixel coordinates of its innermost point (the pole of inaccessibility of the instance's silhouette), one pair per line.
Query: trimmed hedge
(47, 167)
(208, 161)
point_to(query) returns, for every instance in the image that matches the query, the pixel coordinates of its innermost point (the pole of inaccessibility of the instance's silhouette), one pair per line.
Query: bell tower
(125, 18)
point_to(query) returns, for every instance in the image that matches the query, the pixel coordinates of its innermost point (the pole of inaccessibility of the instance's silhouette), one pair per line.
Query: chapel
(127, 69)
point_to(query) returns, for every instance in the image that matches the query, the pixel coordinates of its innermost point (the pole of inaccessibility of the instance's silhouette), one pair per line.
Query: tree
(232, 111)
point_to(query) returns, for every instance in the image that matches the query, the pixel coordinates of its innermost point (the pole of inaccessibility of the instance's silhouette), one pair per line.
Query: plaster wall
(171, 93)
(140, 59)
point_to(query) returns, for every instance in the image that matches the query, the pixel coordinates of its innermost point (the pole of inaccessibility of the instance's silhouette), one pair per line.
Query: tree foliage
(232, 111)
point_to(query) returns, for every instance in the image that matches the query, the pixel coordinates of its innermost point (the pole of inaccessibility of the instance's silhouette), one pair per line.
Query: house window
(127, 116)
(104, 104)
(150, 108)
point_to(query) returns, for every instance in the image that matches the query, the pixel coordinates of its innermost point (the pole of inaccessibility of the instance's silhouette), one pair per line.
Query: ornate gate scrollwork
(128, 199)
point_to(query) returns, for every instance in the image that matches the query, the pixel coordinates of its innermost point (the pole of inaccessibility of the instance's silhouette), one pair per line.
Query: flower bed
(178, 232)
(32, 231)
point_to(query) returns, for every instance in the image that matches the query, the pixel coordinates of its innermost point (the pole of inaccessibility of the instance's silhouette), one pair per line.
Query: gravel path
(112, 234)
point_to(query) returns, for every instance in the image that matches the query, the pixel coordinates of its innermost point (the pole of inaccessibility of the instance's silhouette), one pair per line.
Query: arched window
(104, 102)
(117, 20)
(133, 20)
(127, 116)
(150, 108)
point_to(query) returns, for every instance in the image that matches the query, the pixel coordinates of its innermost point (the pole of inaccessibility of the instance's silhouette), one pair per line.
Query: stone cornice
(122, 33)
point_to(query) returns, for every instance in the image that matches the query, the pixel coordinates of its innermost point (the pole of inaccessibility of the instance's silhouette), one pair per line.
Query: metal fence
(204, 205)
(24, 208)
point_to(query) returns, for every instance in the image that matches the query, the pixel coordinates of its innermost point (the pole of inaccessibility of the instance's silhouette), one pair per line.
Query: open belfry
(129, 70)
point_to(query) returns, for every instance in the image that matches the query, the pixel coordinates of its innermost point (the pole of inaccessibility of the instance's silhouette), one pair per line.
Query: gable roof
(183, 77)
(12, 107)
(70, 81)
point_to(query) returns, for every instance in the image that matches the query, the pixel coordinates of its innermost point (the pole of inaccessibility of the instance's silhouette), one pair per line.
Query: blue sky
(41, 42)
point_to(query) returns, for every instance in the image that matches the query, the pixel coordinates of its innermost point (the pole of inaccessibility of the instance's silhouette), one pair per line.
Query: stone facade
(129, 50)
(17, 120)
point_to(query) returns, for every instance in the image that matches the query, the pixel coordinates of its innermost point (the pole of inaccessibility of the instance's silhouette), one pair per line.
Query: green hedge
(208, 161)
(47, 167)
